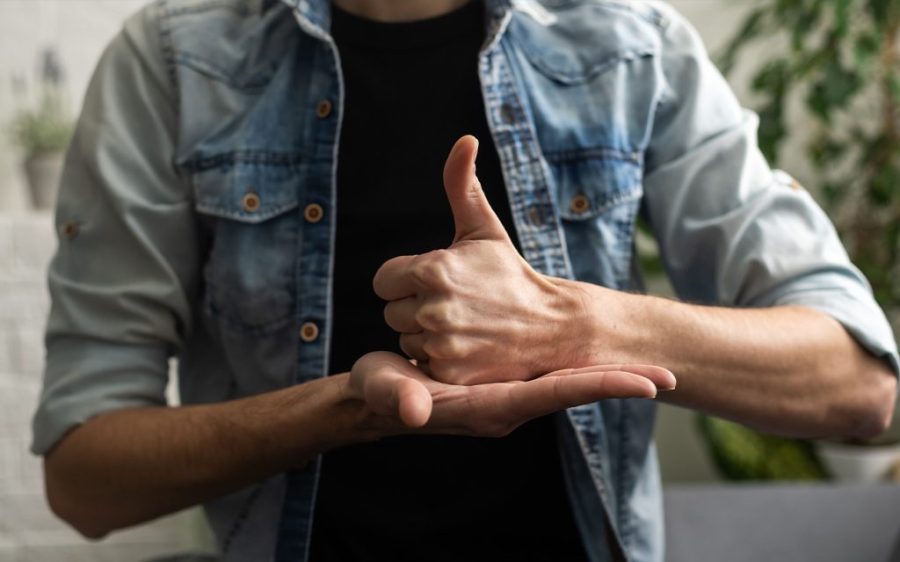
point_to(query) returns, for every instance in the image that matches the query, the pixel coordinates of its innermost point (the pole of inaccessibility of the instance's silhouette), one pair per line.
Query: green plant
(743, 454)
(46, 129)
(843, 58)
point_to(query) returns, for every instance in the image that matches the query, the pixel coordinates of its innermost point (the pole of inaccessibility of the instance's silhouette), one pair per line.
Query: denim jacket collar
(318, 12)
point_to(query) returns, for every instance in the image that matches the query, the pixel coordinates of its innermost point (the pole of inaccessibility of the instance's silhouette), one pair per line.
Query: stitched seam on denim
(597, 153)
(264, 157)
(216, 72)
(546, 245)
(536, 58)
(620, 507)
(635, 192)
(625, 521)
(168, 51)
(264, 214)
(238, 7)
(650, 14)
(240, 519)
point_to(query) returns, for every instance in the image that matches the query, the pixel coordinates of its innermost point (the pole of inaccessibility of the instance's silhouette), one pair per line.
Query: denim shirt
(211, 127)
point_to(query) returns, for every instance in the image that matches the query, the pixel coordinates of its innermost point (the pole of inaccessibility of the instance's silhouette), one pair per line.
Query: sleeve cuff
(85, 377)
(848, 302)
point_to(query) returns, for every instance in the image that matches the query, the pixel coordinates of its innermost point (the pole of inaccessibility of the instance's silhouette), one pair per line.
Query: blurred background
(48, 49)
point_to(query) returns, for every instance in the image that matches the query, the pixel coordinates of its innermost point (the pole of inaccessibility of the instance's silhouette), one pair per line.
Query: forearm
(787, 370)
(126, 467)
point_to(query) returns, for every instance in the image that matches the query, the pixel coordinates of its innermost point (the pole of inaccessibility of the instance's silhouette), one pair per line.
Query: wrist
(592, 332)
(354, 420)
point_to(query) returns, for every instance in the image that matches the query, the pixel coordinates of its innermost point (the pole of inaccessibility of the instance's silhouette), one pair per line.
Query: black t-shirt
(412, 89)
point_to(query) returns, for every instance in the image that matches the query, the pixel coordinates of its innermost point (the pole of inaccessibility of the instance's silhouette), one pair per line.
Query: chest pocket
(250, 273)
(599, 194)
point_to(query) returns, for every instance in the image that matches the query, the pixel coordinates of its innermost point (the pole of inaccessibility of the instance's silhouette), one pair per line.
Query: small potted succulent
(42, 133)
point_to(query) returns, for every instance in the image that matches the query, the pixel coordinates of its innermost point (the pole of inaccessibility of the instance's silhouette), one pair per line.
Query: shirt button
(69, 230)
(536, 216)
(250, 202)
(323, 110)
(313, 213)
(309, 332)
(579, 204)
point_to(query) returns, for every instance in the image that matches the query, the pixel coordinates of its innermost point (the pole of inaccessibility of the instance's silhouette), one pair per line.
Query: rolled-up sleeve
(122, 279)
(731, 231)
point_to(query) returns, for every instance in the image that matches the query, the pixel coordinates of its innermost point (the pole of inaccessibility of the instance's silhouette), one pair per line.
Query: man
(245, 171)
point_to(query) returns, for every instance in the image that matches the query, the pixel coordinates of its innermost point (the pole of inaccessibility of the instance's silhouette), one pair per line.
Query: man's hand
(406, 399)
(477, 312)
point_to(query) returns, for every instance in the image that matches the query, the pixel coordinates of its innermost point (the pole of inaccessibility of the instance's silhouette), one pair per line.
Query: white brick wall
(28, 531)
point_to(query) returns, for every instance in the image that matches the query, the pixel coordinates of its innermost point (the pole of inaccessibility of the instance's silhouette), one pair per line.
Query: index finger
(393, 280)
(547, 394)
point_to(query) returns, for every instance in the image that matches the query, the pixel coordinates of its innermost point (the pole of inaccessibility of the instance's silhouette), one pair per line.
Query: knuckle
(432, 269)
(434, 316)
(411, 347)
(445, 347)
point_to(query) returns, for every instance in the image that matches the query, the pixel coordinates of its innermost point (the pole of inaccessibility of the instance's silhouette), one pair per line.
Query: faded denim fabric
(600, 110)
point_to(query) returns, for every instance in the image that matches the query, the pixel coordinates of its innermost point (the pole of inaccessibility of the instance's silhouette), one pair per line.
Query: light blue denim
(199, 102)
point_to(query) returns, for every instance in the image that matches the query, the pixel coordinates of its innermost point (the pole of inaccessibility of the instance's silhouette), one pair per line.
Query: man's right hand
(407, 400)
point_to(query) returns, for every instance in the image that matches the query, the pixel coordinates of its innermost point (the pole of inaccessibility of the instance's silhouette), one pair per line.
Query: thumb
(390, 387)
(472, 214)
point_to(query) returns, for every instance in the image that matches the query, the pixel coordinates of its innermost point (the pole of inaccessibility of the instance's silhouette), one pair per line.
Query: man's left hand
(477, 312)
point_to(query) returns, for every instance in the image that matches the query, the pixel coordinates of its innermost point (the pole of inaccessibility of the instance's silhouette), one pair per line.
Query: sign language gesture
(404, 398)
(477, 312)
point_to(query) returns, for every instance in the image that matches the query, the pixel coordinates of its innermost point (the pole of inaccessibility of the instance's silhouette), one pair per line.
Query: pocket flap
(250, 192)
(589, 40)
(591, 184)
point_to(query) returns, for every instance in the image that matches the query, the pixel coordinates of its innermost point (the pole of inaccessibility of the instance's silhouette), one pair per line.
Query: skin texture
(126, 467)
(458, 310)
(498, 331)
(476, 312)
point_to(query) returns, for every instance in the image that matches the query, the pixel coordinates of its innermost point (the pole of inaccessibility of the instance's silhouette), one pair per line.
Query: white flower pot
(859, 463)
(43, 172)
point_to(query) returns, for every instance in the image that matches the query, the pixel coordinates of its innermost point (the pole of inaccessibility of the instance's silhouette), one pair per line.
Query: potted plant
(43, 133)
(842, 58)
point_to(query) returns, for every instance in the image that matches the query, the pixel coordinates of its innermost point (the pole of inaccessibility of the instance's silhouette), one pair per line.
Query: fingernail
(671, 382)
